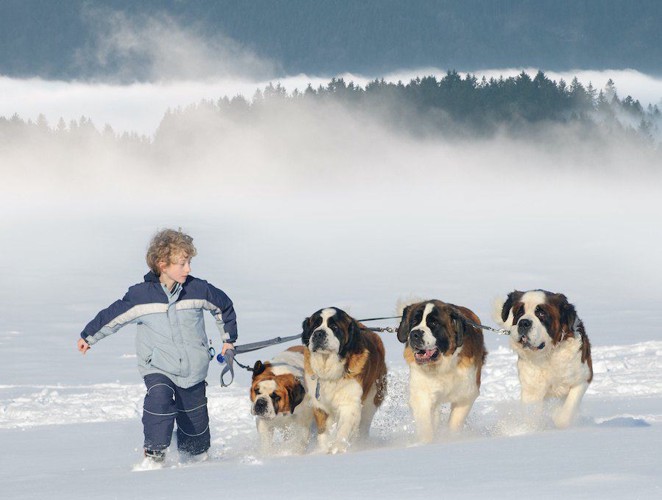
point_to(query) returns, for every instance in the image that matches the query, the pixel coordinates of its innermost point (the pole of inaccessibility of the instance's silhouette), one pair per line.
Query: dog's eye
(541, 312)
(275, 397)
(257, 390)
(334, 327)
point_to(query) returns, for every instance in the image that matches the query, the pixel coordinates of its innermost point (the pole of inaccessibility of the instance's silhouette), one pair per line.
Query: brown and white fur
(554, 353)
(280, 401)
(346, 372)
(445, 357)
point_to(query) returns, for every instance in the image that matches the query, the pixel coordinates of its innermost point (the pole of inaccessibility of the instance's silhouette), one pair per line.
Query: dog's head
(537, 318)
(331, 330)
(431, 329)
(273, 394)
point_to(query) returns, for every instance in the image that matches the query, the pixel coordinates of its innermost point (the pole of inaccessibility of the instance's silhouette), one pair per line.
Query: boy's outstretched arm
(114, 317)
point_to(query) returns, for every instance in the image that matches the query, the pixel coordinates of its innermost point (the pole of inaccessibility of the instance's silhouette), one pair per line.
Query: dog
(553, 350)
(345, 369)
(280, 401)
(445, 355)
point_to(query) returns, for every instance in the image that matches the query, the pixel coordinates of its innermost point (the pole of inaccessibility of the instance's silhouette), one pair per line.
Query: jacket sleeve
(223, 312)
(109, 320)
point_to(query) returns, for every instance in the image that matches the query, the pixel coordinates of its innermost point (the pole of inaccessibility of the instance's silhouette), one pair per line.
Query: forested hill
(452, 107)
(47, 37)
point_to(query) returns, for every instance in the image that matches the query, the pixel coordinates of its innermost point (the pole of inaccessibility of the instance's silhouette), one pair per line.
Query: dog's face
(272, 394)
(537, 318)
(330, 330)
(431, 329)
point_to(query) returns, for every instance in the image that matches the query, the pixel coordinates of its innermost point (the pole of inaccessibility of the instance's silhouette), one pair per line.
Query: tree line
(450, 107)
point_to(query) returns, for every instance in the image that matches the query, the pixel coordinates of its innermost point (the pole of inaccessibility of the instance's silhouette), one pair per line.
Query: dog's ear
(403, 329)
(306, 331)
(568, 314)
(354, 337)
(258, 368)
(458, 325)
(296, 395)
(508, 305)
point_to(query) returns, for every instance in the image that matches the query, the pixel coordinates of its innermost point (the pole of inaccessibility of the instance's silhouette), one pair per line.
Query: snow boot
(156, 456)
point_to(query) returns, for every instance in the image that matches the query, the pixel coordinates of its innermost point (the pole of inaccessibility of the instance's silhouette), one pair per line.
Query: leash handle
(228, 360)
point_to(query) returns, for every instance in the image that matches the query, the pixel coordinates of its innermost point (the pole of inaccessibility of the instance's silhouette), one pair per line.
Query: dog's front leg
(349, 418)
(322, 423)
(422, 407)
(459, 412)
(266, 432)
(566, 414)
(302, 429)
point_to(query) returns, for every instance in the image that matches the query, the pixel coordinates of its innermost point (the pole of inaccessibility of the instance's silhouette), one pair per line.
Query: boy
(171, 344)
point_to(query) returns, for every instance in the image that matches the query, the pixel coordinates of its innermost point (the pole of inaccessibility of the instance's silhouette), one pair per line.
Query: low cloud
(156, 48)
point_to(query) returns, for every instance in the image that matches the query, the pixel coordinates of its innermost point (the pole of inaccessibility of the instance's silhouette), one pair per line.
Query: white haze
(139, 107)
(155, 47)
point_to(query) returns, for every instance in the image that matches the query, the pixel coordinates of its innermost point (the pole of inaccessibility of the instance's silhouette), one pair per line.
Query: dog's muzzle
(523, 328)
(318, 340)
(261, 407)
(423, 353)
(416, 339)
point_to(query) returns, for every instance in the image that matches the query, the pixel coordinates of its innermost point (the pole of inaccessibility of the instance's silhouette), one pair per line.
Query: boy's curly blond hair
(166, 245)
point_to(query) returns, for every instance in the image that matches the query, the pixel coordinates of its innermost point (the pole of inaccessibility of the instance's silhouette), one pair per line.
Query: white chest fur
(329, 389)
(445, 380)
(554, 371)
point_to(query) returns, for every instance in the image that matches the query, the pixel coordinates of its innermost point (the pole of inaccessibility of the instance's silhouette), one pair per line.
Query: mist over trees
(426, 107)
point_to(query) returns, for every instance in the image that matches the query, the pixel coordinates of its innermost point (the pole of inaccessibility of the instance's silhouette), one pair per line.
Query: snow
(464, 222)
(70, 425)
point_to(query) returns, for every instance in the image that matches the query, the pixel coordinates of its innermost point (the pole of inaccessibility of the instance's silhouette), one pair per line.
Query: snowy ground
(83, 440)
(70, 425)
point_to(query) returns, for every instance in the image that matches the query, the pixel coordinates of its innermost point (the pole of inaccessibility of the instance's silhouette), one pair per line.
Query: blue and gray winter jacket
(171, 335)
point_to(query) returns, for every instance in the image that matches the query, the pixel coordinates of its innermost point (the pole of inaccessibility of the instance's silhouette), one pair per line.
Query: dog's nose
(524, 325)
(261, 406)
(416, 335)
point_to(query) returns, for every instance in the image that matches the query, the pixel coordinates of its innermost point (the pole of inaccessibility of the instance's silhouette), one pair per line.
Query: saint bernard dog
(445, 355)
(346, 374)
(279, 400)
(554, 353)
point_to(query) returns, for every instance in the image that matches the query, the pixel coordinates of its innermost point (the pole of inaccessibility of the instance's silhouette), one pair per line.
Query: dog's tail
(403, 302)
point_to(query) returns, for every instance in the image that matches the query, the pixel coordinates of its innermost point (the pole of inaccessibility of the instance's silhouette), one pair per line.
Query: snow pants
(166, 403)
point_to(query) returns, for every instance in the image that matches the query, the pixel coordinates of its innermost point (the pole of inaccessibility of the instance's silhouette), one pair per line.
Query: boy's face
(177, 269)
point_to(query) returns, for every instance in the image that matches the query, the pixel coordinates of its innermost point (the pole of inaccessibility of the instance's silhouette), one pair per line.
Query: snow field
(621, 373)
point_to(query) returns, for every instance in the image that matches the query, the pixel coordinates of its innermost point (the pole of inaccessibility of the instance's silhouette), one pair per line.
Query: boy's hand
(225, 347)
(83, 346)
